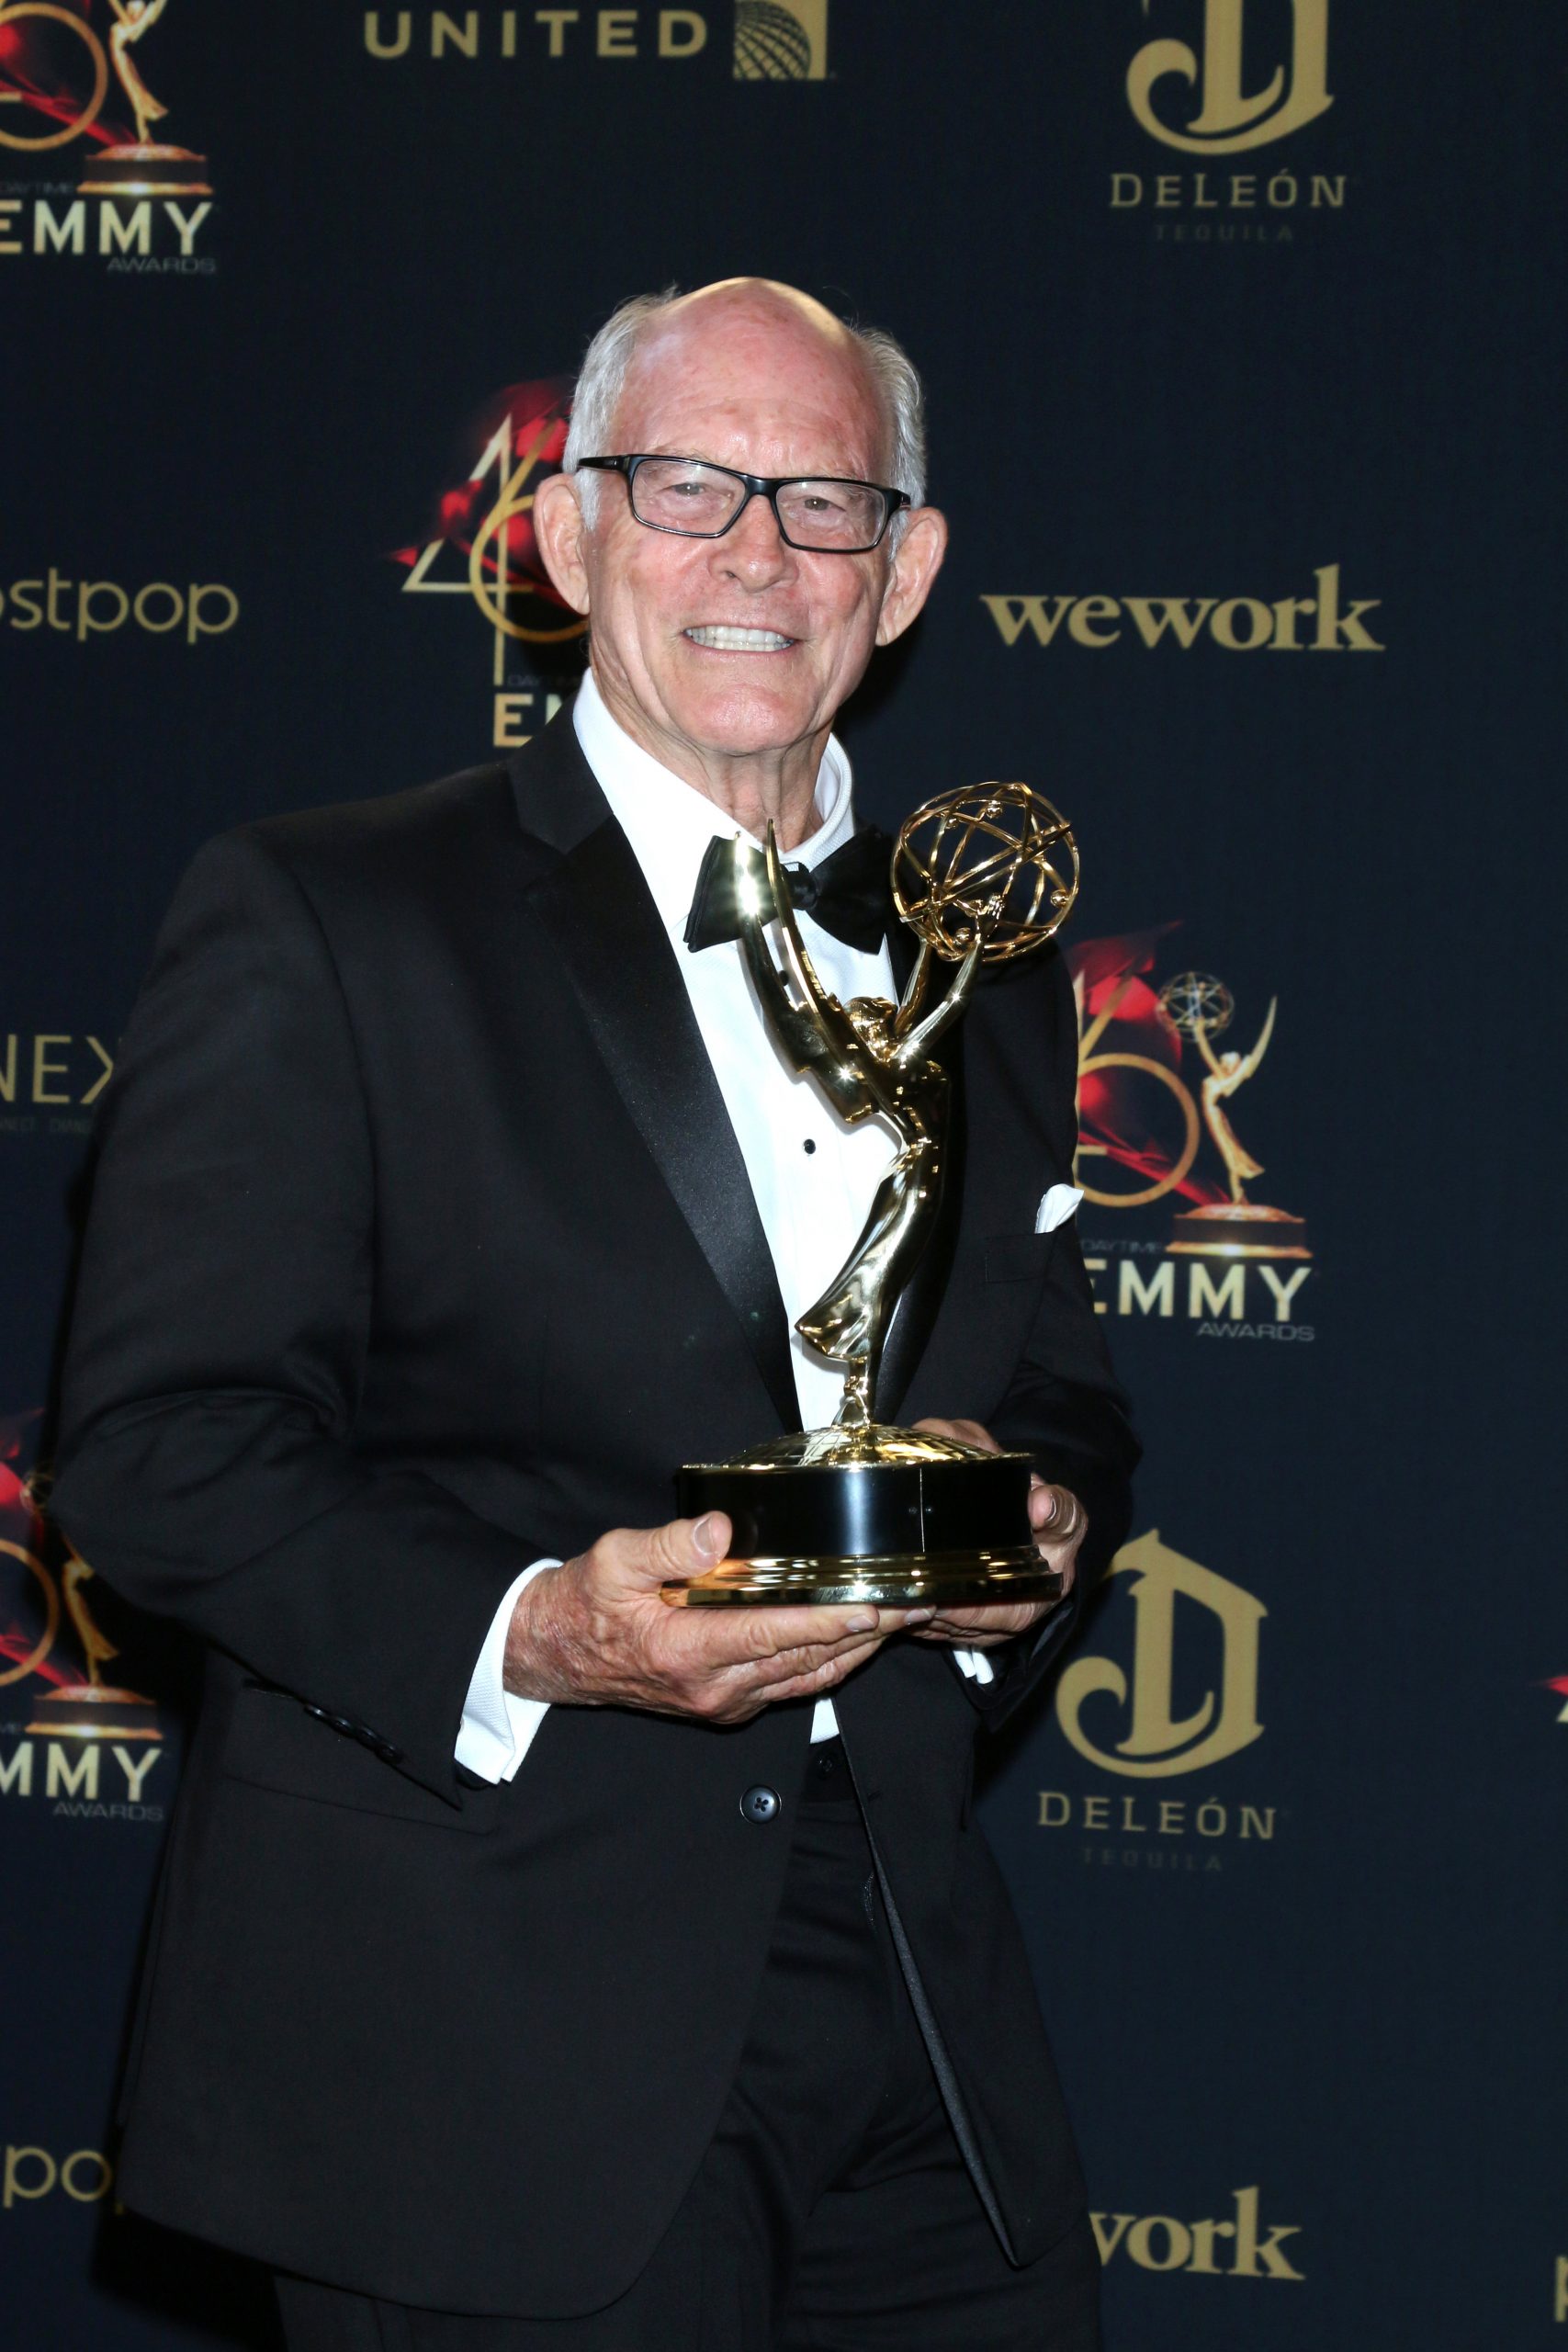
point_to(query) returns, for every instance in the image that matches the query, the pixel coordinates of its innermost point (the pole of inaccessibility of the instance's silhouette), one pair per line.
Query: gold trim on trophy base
(145, 170)
(1235, 1230)
(907, 1580)
(69, 1697)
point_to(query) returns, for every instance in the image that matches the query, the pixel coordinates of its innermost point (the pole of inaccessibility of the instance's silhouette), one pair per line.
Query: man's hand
(1059, 1523)
(595, 1633)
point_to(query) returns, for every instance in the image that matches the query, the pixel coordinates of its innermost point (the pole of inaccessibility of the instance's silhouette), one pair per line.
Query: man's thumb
(688, 1547)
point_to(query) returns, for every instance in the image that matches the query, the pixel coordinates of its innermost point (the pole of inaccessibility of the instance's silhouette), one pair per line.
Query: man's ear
(558, 528)
(915, 567)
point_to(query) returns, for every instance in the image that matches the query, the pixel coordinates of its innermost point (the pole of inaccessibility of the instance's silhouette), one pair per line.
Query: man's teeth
(740, 640)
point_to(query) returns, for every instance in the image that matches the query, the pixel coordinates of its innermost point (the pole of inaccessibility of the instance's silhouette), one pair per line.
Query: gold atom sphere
(1195, 1000)
(993, 861)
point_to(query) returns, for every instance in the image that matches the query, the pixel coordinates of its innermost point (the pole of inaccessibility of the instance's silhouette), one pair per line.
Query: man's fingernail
(864, 1623)
(705, 1536)
(919, 1617)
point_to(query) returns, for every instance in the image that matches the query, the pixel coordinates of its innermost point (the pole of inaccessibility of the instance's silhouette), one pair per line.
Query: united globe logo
(774, 43)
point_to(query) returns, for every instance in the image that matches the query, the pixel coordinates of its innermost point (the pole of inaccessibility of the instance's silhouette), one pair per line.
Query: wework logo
(1157, 1741)
(1235, 2248)
(1324, 623)
(1230, 117)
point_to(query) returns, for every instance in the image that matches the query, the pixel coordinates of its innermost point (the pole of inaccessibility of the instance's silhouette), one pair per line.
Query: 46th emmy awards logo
(1230, 118)
(483, 547)
(1154, 1129)
(85, 1740)
(60, 82)
(1158, 1741)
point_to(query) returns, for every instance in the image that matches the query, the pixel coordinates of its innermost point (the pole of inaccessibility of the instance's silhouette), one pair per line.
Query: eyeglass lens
(683, 494)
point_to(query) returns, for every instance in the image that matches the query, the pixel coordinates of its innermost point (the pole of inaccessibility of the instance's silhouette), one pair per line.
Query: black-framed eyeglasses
(824, 513)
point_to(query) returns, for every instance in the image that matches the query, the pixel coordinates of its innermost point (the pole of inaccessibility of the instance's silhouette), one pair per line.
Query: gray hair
(607, 362)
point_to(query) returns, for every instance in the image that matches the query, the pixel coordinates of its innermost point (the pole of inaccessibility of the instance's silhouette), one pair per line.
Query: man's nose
(753, 548)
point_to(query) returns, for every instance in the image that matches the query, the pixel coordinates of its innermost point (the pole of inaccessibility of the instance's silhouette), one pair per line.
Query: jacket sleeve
(207, 1459)
(1063, 1406)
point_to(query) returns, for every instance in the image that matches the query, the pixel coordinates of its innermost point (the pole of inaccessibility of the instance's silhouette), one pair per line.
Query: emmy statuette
(143, 167)
(1199, 1007)
(862, 1510)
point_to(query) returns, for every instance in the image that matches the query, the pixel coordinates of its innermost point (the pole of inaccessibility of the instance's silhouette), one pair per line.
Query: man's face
(742, 645)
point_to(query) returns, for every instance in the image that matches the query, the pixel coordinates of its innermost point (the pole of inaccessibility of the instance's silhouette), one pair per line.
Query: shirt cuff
(497, 1728)
(975, 1665)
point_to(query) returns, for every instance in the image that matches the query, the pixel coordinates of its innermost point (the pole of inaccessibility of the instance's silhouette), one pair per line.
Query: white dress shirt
(812, 1177)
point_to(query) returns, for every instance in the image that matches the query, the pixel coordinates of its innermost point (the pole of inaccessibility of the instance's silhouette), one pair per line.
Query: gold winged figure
(871, 1058)
(1228, 1073)
(135, 18)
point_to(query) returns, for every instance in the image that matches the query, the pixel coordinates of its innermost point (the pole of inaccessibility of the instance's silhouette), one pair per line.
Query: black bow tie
(848, 893)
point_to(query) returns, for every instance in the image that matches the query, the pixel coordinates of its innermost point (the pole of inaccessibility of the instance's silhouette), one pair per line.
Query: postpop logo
(1231, 119)
(29, 2174)
(1158, 1743)
(183, 611)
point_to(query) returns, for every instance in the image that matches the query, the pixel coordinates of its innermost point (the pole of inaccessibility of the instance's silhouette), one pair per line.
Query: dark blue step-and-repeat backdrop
(1242, 323)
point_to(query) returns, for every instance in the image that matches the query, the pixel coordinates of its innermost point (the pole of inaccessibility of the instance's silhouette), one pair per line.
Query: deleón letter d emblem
(1229, 119)
(1159, 1743)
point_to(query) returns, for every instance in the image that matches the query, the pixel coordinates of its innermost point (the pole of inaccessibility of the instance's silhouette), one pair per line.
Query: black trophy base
(895, 1516)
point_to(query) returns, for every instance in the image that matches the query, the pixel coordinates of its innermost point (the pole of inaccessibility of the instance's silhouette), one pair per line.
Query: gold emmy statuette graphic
(1203, 1009)
(864, 1511)
(144, 168)
(90, 1710)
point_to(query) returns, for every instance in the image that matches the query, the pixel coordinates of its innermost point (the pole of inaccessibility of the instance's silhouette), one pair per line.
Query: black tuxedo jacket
(422, 1247)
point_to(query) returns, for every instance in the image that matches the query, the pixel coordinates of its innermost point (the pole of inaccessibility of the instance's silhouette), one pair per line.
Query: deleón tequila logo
(1230, 118)
(1157, 1742)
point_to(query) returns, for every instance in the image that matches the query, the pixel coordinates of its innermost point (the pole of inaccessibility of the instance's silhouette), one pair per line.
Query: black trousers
(832, 2211)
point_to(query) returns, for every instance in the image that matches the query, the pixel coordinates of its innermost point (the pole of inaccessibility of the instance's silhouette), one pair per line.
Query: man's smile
(717, 638)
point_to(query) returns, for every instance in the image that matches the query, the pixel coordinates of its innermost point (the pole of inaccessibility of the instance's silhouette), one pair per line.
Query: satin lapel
(916, 1310)
(901, 948)
(612, 947)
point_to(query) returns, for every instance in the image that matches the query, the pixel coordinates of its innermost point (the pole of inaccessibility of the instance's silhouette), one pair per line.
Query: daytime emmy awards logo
(88, 1741)
(59, 79)
(481, 546)
(1159, 1079)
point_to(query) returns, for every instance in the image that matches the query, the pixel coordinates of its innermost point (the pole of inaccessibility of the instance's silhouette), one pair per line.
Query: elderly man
(537, 1965)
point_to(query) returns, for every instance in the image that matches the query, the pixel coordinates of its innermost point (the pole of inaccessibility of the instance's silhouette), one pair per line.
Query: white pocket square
(1055, 1207)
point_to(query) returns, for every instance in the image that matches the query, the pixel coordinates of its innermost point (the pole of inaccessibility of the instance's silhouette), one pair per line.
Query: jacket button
(760, 1803)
